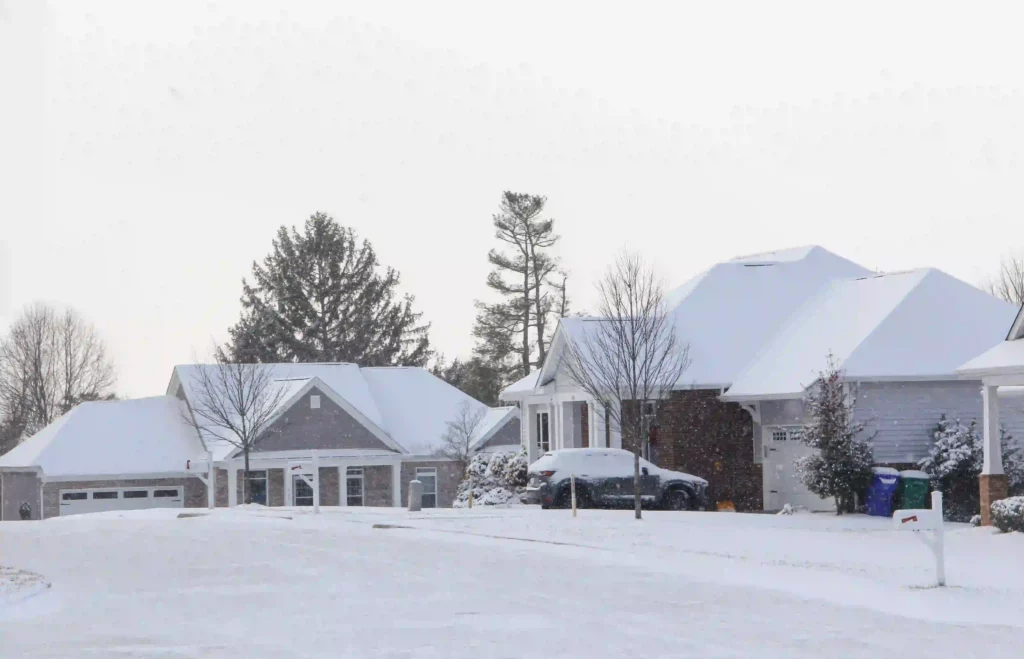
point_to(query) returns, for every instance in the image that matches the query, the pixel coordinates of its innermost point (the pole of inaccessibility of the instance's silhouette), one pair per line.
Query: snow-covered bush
(494, 479)
(976, 520)
(954, 463)
(1008, 514)
(841, 463)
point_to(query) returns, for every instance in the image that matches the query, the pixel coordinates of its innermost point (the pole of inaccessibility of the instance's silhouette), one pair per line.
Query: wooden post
(471, 498)
(572, 491)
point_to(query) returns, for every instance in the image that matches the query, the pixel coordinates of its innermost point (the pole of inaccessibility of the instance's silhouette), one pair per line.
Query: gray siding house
(898, 338)
(364, 432)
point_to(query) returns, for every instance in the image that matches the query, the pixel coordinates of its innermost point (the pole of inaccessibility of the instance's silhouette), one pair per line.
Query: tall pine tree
(513, 333)
(321, 296)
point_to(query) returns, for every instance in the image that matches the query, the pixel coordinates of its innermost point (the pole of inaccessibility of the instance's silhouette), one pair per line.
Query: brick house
(368, 431)
(759, 328)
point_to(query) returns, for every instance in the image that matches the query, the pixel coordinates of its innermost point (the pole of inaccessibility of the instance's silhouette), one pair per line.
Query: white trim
(362, 485)
(1016, 332)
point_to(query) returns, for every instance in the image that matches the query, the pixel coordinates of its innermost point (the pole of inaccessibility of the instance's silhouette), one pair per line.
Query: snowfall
(489, 582)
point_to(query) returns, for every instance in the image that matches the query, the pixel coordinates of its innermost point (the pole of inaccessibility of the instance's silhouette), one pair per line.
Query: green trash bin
(913, 490)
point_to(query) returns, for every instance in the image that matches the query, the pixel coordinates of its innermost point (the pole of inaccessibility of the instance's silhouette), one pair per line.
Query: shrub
(494, 479)
(954, 463)
(1008, 514)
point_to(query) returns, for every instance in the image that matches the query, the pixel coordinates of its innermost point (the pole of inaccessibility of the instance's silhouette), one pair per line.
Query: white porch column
(232, 485)
(530, 421)
(288, 499)
(211, 482)
(316, 482)
(993, 460)
(565, 425)
(396, 484)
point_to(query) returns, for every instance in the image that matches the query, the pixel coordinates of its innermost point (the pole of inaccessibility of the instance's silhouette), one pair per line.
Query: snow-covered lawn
(505, 583)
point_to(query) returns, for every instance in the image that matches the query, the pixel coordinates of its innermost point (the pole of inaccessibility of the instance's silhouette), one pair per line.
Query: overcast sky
(152, 149)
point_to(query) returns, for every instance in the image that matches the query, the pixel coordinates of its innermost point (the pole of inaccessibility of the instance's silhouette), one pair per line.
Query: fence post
(572, 490)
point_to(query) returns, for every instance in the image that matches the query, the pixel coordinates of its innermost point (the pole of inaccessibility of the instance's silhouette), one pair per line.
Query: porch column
(566, 426)
(396, 484)
(992, 481)
(530, 421)
(232, 484)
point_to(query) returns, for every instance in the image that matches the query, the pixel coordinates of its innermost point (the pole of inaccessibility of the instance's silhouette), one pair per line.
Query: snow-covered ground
(505, 583)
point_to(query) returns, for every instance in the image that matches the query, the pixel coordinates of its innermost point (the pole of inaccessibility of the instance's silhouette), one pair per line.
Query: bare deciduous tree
(630, 355)
(50, 361)
(457, 441)
(234, 403)
(1009, 283)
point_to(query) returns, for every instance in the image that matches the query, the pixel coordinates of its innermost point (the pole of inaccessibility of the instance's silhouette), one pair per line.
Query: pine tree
(841, 464)
(474, 377)
(321, 296)
(513, 334)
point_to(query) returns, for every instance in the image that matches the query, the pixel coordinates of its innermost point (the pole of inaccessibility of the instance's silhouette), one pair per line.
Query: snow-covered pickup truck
(604, 478)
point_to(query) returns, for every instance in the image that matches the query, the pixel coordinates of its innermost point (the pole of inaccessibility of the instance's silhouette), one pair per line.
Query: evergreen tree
(320, 296)
(513, 334)
(474, 377)
(841, 464)
(955, 460)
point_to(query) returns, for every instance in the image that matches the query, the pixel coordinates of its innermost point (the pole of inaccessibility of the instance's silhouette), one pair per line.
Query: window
(786, 434)
(543, 436)
(354, 486)
(428, 476)
(302, 493)
(104, 495)
(74, 496)
(779, 435)
(314, 402)
(136, 494)
(165, 493)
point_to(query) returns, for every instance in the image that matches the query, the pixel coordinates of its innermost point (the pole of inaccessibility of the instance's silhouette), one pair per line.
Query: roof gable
(1017, 329)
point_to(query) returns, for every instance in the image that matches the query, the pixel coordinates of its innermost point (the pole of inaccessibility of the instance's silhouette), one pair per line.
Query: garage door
(784, 485)
(95, 500)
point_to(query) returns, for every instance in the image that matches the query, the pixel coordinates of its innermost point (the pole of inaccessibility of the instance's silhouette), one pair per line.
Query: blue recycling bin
(884, 483)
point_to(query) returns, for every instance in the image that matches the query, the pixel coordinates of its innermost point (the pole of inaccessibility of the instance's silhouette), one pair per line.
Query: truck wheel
(678, 499)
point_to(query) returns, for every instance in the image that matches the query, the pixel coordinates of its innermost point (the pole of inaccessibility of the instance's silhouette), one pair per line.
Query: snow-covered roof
(137, 436)
(416, 406)
(491, 422)
(724, 314)
(409, 405)
(1006, 358)
(917, 324)
(727, 313)
(521, 386)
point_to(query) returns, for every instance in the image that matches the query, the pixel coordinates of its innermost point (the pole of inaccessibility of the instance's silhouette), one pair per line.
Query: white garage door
(94, 500)
(784, 486)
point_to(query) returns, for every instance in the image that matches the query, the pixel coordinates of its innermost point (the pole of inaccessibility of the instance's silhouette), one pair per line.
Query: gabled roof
(919, 324)
(726, 313)
(139, 436)
(522, 386)
(494, 419)
(406, 407)
(1005, 358)
(416, 405)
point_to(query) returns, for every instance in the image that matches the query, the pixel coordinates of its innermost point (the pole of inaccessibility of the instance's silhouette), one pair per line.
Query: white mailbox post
(929, 524)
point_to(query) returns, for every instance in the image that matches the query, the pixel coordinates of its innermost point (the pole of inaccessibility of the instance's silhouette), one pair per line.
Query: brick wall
(377, 486)
(275, 487)
(448, 478)
(220, 491)
(585, 425)
(329, 486)
(701, 435)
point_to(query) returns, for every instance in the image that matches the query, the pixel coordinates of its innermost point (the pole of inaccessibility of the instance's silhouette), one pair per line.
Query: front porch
(555, 422)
